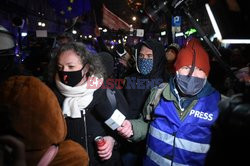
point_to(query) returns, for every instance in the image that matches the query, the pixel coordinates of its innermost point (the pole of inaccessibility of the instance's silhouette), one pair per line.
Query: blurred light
(201, 39)
(197, 19)
(179, 34)
(212, 37)
(134, 18)
(39, 23)
(43, 24)
(159, 38)
(74, 31)
(163, 33)
(225, 45)
(85, 37)
(112, 47)
(214, 24)
(125, 37)
(190, 31)
(236, 41)
(80, 36)
(100, 28)
(105, 30)
(90, 36)
(130, 25)
(114, 40)
(119, 41)
(23, 34)
(225, 42)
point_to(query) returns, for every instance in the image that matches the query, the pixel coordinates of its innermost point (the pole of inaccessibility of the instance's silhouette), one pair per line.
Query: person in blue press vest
(178, 125)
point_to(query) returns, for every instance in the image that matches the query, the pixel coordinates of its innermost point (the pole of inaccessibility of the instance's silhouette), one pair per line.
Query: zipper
(85, 130)
(179, 103)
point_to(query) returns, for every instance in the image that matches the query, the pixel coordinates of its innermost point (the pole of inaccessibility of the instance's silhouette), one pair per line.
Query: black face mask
(71, 78)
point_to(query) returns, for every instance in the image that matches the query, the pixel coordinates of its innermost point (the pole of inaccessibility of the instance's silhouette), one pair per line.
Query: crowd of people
(150, 106)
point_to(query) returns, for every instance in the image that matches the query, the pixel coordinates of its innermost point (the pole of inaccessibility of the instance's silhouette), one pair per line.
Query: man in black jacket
(150, 65)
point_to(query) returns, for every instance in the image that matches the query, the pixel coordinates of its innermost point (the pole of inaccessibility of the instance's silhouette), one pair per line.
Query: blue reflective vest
(172, 141)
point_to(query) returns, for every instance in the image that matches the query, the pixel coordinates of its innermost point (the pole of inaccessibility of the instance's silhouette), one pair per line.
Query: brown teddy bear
(35, 118)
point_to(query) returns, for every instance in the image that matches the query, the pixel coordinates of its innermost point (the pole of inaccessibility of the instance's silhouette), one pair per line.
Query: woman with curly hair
(77, 79)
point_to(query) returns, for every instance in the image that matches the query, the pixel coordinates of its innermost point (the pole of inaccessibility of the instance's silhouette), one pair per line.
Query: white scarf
(78, 97)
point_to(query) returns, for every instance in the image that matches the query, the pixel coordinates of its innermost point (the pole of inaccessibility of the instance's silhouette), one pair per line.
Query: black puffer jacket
(137, 96)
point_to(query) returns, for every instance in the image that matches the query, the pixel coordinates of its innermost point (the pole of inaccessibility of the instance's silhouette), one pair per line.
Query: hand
(105, 151)
(126, 129)
(17, 149)
(123, 62)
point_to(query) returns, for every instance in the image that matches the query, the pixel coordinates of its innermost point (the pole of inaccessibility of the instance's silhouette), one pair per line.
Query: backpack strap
(157, 97)
(153, 102)
(48, 156)
(111, 97)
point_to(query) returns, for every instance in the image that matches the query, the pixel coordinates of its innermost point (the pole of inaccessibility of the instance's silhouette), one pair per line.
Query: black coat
(95, 125)
(137, 97)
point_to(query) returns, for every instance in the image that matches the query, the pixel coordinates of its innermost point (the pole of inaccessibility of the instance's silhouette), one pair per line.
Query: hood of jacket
(159, 59)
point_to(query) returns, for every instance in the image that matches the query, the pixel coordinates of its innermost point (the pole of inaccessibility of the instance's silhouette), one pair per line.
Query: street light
(134, 18)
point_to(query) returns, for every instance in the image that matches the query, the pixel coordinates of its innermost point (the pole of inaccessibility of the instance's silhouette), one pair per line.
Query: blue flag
(71, 8)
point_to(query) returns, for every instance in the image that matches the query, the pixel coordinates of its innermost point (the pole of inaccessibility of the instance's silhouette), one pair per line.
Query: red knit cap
(185, 56)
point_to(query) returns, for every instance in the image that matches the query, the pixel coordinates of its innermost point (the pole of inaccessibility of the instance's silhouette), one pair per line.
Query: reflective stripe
(191, 146)
(179, 142)
(160, 135)
(160, 160)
